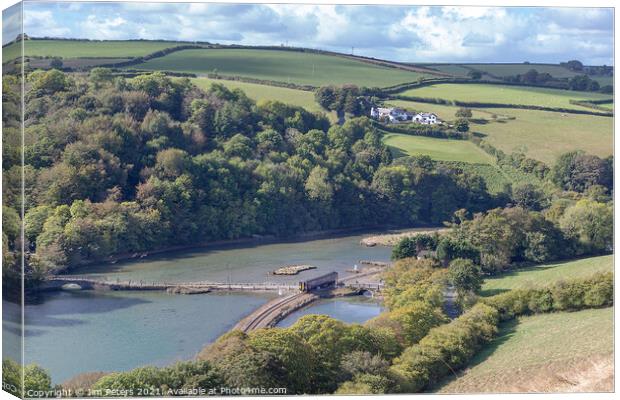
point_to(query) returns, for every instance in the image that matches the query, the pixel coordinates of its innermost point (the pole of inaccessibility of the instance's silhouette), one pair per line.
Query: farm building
(392, 114)
(425, 118)
(395, 115)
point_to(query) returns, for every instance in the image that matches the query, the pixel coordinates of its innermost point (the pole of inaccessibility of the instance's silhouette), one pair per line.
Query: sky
(400, 33)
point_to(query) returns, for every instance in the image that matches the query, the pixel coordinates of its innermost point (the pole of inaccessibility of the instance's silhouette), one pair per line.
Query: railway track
(272, 312)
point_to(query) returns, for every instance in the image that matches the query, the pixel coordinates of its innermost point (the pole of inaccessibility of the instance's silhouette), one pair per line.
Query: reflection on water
(247, 263)
(71, 332)
(349, 310)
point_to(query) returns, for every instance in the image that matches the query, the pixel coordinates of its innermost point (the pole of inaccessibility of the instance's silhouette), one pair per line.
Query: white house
(392, 114)
(425, 118)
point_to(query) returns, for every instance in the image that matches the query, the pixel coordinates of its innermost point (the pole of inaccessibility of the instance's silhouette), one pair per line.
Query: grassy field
(453, 69)
(505, 94)
(258, 92)
(545, 135)
(72, 48)
(542, 135)
(534, 353)
(547, 273)
(284, 66)
(437, 149)
(556, 71)
(444, 112)
(501, 70)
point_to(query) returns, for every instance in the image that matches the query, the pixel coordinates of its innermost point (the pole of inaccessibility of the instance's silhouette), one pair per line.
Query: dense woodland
(115, 166)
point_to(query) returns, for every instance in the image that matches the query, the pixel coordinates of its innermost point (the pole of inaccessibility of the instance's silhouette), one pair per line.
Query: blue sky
(403, 33)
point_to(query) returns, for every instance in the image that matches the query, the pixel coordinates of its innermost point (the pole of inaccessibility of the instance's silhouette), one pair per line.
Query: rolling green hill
(258, 93)
(84, 48)
(546, 274)
(542, 135)
(547, 352)
(284, 66)
(545, 135)
(509, 69)
(505, 94)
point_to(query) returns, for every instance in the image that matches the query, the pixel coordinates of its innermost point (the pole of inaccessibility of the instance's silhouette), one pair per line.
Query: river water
(74, 332)
(347, 309)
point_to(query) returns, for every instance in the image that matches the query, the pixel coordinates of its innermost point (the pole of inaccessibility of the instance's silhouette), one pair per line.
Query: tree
(100, 76)
(363, 362)
(449, 249)
(574, 65)
(463, 113)
(171, 163)
(292, 353)
(50, 82)
(581, 82)
(530, 77)
(528, 196)
(412, 245)
(591, 224)
(326, 97)
(318, 185)
(475, 74)
(465, 276)
(415, 320)
(462, 125)
(578, 171)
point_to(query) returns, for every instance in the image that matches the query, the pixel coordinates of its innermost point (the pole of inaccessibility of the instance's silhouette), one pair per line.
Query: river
(347, 309)
(74, 332)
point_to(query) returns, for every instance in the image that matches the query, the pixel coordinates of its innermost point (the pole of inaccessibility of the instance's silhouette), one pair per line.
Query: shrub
(569, 295)
(445, 349)
(412, 245)
(414, 320)
(449, 249)
(465, 276)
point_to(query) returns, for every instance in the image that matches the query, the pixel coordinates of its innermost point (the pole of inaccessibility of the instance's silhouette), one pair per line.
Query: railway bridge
(88, 283)
(267, 315)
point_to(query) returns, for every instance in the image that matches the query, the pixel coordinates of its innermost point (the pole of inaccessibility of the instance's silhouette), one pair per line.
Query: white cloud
(106, 28)
(43, 21)
(417, 34)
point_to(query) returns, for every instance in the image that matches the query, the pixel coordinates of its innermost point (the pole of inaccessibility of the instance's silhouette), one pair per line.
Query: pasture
(452, 69)
(258, 93)
(544, 135)
(541, 353)
(545, 274)
(303, 68)
(84, 48)
(505, 94)
(444, 112)
(438, 149)
(556, 71)
(511, 69)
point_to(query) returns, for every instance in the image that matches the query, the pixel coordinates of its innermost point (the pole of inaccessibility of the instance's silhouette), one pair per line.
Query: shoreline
(255, 240)
(391, 239)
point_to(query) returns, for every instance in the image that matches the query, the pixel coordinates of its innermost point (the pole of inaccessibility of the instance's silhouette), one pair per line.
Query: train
(320, 282)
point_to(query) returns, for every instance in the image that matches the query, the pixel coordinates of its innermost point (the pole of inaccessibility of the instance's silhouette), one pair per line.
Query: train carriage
(320, 282)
